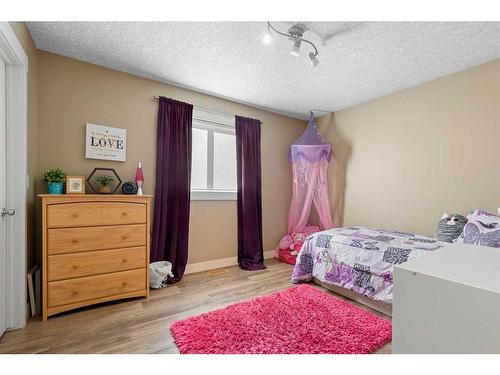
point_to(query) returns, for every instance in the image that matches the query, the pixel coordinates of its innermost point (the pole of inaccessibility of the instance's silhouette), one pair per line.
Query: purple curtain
(173, 177)
(250, 249)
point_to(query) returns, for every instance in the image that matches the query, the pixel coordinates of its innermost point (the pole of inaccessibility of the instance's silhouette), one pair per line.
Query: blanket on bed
(359, 259)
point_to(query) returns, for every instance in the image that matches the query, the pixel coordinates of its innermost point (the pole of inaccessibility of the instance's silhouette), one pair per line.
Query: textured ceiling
(359, 61)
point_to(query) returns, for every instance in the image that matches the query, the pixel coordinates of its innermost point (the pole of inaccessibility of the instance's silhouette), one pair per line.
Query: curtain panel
(250, 247)
(173, 179)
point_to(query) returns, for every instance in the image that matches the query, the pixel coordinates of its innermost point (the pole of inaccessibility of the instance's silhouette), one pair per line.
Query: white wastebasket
(159, 274)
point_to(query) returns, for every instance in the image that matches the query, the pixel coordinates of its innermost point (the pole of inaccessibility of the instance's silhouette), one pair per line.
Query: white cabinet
(448, 301)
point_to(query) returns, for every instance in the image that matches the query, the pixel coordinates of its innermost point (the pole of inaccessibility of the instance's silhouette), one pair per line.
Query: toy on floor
(291, 244)
(298, 241)
(286, 242)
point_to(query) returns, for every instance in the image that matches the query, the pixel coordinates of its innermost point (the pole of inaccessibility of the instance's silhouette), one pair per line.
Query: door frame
(16, 79)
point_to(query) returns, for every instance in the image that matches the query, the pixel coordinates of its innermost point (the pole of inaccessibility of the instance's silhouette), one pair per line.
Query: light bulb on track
(296, 47)
(313, 59)
(266, 39)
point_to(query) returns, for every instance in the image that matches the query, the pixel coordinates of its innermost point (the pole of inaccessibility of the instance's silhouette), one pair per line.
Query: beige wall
(24, 37)
(404, 159)
(72, 93)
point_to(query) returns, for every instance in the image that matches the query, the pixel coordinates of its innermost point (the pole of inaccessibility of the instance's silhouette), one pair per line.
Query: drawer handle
(75, 292)
(75, 214)
(75, 240)
(124, 283)
(125, 236)
(124, 213)
(75, 266)
(124, 260)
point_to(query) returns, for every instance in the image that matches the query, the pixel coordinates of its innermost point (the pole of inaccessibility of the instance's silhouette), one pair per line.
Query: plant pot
(104, 189)
(55, 187)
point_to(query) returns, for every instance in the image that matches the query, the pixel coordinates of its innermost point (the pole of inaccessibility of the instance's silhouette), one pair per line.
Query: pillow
(482, 229)
(450, 227)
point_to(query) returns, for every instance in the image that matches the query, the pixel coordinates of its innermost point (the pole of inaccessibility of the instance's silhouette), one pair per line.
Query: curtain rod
(207, 109)
(227, 114)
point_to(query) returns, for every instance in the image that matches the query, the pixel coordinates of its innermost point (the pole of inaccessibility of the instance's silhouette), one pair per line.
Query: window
(213, 165)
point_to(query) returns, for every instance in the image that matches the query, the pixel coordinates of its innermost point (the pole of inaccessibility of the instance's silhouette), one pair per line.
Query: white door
(3, 197)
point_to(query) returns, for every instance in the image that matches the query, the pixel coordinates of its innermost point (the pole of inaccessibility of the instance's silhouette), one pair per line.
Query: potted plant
(55, 178)
(104, 184)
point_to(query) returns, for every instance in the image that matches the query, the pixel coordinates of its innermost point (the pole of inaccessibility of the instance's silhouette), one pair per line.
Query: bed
(357, 262)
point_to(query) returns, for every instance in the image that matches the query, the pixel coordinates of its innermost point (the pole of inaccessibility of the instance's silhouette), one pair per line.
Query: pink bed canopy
(309, 156)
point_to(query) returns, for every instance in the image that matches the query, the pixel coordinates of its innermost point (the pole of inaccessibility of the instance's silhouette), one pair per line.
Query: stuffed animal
(285, 242)
(310, 229)
(298, 241)
(450, 227)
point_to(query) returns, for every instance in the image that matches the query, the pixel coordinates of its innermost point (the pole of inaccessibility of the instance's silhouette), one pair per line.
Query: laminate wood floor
(143, 326)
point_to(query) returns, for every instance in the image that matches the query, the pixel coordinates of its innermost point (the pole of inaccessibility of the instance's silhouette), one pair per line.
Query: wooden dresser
(95, 248)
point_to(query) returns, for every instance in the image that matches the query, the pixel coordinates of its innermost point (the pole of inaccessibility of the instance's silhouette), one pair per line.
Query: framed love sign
(105, 143)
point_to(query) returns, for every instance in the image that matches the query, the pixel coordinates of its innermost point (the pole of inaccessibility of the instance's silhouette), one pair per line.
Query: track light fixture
(295, 34)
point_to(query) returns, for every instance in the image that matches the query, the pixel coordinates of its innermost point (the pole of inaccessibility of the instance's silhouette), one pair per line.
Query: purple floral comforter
(359, 259)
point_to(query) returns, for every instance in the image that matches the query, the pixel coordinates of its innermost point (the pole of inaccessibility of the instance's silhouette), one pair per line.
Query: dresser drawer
(73, 215)
(68, 266)
(72, 240)
(93, 287)
(123, 213)
(94, 214)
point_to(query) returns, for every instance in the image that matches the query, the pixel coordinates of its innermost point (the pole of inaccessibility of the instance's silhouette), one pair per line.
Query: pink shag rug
(297, 320)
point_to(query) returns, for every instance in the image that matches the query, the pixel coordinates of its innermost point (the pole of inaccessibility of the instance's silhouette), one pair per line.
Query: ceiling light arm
(316, 53)
(269, 26)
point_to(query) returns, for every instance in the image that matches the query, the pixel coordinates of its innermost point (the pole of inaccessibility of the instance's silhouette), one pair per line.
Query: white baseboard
(219, 263)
